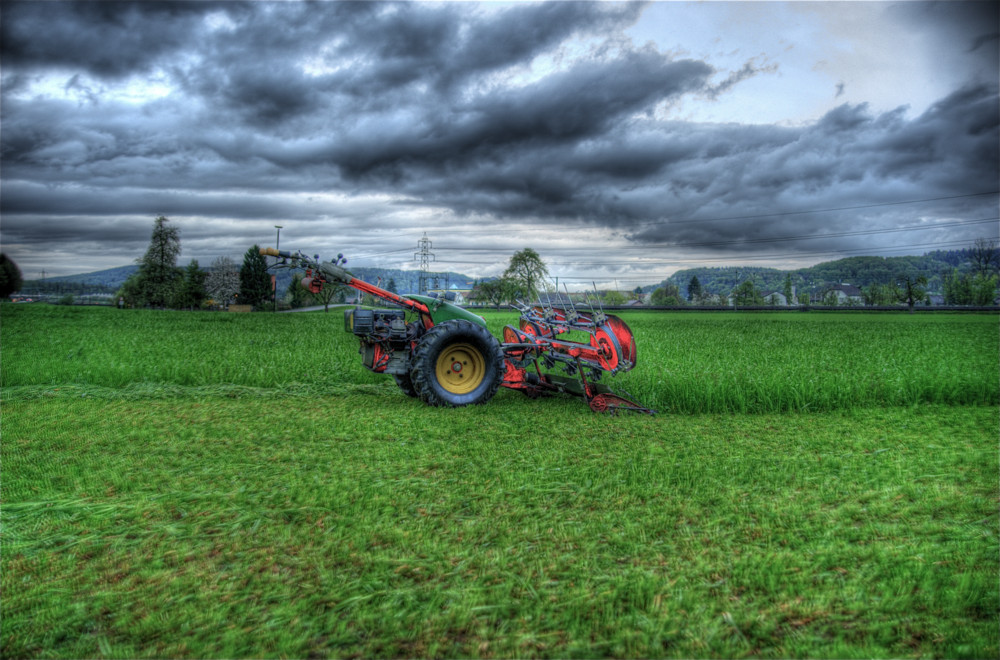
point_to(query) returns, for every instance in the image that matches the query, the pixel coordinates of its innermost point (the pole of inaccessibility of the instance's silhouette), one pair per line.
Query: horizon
(612, 285)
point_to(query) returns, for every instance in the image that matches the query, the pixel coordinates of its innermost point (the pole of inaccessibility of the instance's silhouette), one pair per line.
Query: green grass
(299, 506)
(687, 363)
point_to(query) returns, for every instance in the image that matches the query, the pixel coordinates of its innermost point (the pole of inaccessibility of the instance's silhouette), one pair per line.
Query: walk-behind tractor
(445, 356)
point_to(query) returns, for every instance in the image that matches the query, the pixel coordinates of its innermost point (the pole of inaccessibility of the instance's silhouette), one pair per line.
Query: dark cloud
(106, 39)
(543, 114)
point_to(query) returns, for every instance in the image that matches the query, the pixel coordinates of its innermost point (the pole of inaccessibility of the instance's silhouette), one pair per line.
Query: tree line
(160, 283)
(960, 277)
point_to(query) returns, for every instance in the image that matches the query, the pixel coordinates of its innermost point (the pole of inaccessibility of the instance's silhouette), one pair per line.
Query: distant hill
(858, 271)
(110, 280)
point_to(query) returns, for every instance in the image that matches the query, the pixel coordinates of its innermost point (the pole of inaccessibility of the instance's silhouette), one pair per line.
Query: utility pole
(424, 246)
(274, 278)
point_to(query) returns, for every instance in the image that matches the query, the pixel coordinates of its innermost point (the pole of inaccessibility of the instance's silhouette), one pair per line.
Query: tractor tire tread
(438, 338)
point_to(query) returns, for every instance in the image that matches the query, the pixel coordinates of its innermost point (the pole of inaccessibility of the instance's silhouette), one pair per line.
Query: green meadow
(227, 485)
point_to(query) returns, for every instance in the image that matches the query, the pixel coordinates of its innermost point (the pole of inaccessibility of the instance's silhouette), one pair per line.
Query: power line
(735, 258)
(793, 255)
(775, 214)
(744, 217)
(654, 246)
(828, 210)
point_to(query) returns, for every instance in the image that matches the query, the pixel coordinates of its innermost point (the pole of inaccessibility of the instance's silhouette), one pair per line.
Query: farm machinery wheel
(457, 363)
(405, 384)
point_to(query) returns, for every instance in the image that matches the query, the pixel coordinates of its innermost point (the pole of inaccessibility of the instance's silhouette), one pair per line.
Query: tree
(130, 293)
(391, 286)
(328, 294)
(747, 294)
(223, 281)
(786, 290)
(190, 292)
(666, 296)
(965, 289)
(158, 272)
(10, 276)
(495, 292)
(985, 256)
(880, 295)
(527, 272)
(614, 298)
(694, 289)
(984, 289)
(912, 290)
(255, 282)
(297, 295)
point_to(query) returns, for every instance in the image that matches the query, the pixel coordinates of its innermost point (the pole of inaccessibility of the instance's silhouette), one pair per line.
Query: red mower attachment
(581, 346)
(443, 354)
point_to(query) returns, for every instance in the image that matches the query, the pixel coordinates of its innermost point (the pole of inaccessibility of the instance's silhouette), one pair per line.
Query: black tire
(405, 384)
(457, 363)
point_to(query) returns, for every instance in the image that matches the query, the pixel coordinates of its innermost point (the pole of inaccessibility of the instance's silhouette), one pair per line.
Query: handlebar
(271, 252)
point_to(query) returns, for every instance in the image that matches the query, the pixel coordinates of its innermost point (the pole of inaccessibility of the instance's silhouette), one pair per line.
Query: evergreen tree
(191, 292)
(694, 289)
(255, 282)
(391, 286)
(10, 276)
(158, 272)
(747, 294)
(787, 289)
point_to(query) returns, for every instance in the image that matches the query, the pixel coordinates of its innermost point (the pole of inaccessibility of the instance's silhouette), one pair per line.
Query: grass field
(211, 485)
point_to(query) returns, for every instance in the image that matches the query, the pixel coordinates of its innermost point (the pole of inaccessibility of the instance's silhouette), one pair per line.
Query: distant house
(776, 298)
(843, 294)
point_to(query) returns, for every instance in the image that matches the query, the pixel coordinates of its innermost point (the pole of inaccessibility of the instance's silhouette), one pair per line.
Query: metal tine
(596, 295)
(572, 305)
(591, 304)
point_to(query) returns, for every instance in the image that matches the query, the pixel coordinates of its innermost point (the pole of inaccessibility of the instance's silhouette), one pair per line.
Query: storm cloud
(360, 124)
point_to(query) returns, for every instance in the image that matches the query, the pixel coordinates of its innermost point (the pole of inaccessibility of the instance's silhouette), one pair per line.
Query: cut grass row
(688, 363)
(244, 523)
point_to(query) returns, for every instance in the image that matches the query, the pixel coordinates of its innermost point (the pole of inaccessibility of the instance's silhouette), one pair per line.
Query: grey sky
(621, 141)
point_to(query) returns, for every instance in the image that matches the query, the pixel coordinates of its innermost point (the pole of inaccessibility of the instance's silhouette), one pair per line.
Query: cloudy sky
(622, 141)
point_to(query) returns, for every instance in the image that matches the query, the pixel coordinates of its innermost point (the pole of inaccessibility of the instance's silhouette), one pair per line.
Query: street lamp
(274, 292)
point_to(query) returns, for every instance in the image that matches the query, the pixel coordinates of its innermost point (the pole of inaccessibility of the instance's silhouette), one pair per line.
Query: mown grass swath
(158, 501)
(688, 363)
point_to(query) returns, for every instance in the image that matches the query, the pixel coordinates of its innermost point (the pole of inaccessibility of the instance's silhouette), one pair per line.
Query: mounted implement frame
(444, 354)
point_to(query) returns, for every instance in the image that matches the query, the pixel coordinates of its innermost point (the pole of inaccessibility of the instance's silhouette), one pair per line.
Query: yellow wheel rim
(460, 368)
